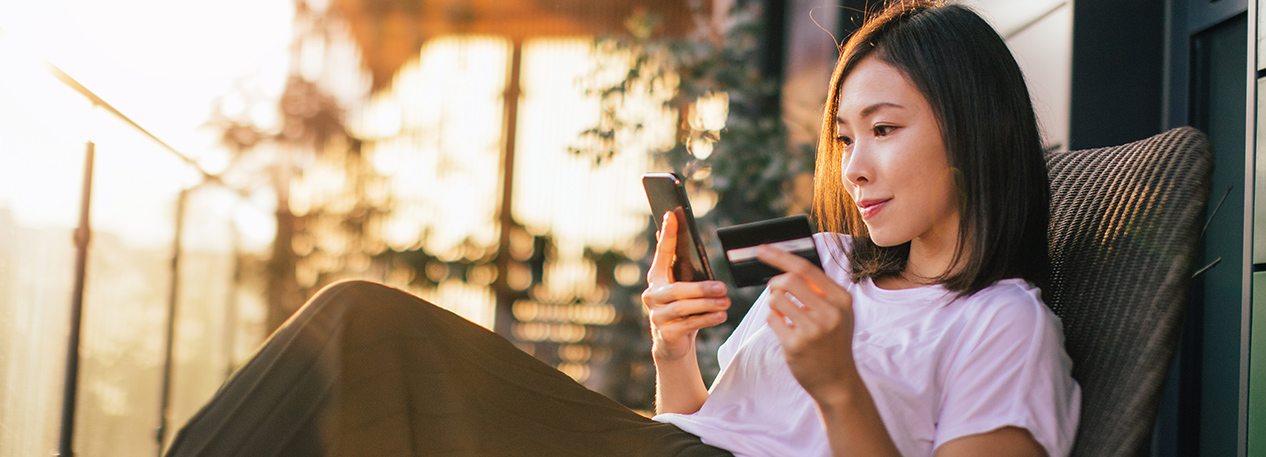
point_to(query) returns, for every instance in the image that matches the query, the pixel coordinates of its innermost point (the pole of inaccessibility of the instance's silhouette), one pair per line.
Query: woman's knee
(352, 286)
(346, 299)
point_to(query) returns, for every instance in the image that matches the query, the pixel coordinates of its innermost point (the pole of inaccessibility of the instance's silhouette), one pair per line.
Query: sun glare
(435, 138)
(162, 64)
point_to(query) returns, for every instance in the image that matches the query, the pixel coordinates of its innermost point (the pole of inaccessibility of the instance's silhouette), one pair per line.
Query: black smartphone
(666, 192)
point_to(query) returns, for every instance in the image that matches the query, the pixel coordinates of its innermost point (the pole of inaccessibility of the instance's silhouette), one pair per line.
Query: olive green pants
(365, 369)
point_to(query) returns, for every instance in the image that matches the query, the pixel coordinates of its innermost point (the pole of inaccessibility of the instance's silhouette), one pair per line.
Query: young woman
(925, 334)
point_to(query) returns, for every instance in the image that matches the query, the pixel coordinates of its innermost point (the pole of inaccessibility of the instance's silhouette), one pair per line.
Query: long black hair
(977, 92)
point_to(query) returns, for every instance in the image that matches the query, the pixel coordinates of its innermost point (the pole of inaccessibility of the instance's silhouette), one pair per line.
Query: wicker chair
(1125, 226)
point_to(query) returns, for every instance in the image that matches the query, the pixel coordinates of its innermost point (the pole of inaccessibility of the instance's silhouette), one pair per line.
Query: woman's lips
(870, 208)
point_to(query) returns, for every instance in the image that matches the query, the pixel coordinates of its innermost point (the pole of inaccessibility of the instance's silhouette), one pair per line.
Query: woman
(924, 335)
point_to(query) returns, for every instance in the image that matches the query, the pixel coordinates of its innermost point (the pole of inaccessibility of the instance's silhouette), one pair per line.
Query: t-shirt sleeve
(1009, 368)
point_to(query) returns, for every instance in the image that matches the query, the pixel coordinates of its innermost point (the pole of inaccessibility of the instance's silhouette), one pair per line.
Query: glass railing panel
(219, 317)
(45, 126)
(41, 169)
(135, 188)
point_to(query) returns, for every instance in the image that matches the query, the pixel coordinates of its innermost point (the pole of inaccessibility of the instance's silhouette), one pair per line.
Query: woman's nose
(856, 168)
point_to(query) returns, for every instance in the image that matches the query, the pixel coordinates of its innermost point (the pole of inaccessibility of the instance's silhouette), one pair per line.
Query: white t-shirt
(938, 368)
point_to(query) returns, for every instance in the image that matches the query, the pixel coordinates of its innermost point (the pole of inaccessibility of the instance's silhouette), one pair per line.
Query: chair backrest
(1125, 226)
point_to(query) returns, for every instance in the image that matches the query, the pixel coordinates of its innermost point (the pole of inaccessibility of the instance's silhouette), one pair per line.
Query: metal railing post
(82, 235)
(174, 298)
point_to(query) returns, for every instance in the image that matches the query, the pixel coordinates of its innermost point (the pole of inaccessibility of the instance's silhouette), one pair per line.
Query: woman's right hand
(678, 309)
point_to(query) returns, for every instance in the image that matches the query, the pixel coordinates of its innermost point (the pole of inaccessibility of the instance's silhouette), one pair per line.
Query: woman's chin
(885, 241)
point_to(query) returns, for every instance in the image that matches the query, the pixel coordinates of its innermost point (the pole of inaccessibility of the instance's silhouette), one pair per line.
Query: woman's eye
(883, 130)
(844, 139)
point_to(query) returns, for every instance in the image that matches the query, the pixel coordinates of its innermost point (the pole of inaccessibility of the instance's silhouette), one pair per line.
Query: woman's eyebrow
(869, 110)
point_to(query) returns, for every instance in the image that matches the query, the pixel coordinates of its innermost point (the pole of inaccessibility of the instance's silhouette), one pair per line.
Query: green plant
(740, 167)
(747, 163)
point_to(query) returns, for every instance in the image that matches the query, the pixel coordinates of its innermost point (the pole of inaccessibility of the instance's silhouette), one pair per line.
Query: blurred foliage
(326, 238)
(746, 166)
(742, 164)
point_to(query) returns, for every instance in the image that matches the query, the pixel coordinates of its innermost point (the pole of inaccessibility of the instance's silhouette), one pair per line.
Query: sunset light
(227, 134)
(313, 227)
(165, 75)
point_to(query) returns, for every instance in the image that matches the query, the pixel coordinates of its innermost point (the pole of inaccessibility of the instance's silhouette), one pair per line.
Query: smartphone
(666, 192)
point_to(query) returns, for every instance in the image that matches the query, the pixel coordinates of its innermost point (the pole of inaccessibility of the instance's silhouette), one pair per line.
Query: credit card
(792, 234)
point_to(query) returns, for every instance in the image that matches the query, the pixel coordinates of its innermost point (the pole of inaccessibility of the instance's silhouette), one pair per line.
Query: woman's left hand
(812, 317)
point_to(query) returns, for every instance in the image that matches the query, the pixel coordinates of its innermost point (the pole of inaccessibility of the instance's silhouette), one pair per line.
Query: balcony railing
(122, 306)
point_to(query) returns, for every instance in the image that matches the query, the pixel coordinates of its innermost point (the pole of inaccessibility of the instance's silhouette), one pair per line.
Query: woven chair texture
(1125, 226)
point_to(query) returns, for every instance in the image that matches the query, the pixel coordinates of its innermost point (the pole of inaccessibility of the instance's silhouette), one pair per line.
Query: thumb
(661, 270)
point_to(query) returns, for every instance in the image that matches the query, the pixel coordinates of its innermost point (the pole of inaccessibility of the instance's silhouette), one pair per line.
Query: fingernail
(718, 288)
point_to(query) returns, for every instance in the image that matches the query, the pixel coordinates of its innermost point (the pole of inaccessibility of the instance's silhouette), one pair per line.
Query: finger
(794, 314)
(668, 293)
(661, 270)
(819, 312)
(682, 309)
(806, 294)
(818, 282)
(692, 323)
(779, 324)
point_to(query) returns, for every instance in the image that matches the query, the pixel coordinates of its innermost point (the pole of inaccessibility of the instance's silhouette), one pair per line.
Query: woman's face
(895, 164)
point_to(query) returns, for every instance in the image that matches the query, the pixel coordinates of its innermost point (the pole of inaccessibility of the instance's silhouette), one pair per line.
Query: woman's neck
(929, 259)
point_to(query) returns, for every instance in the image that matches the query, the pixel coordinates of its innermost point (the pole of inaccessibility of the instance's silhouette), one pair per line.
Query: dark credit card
(792, 234)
